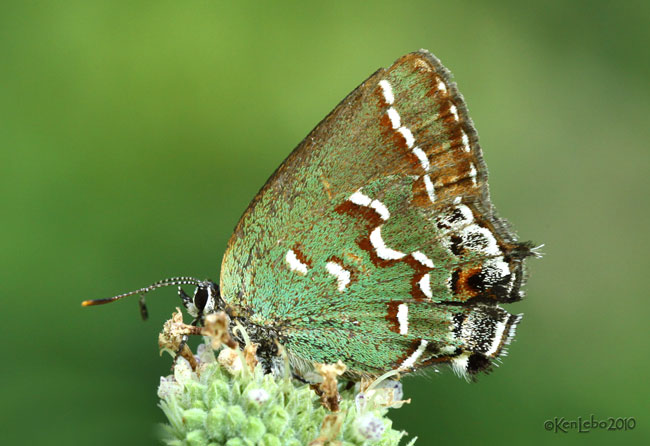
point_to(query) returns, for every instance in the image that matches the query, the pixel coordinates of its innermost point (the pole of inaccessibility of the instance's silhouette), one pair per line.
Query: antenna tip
(92, 302)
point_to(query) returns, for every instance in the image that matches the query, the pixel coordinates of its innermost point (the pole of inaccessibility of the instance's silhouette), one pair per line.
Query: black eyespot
(200, 297)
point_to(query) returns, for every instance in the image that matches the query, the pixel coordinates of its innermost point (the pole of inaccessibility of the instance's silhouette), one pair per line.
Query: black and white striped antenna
(173, 281)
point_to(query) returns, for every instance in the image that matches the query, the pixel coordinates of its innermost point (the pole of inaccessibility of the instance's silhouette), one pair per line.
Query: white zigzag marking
(454, 111)
(403, 318)
(410, 361)
(396, 122)
(359, 198)
(342, 275)
(422, 258)
(442, 87)
(387, 90)
(383, 251)
(465, 141)
(428, 184)
(424, 160)
(425, 285)
(394, 118)
(382, 210)
(408, 136)
(472, 173)
(294, 263)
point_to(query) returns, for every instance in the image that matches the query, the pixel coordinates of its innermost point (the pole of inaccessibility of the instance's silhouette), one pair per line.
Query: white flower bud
(370, 426)
(259, 396)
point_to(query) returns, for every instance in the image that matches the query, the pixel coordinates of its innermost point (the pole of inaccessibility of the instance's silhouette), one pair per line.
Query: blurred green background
(134, 133)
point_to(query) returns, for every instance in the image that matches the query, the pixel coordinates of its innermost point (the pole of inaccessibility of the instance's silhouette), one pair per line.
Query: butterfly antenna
(142, 291)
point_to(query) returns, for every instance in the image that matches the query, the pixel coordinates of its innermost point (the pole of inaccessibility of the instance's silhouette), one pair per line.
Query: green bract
(223, 403)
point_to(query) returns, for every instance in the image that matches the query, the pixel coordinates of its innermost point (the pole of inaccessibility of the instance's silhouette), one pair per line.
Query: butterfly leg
(183, 342)
(174, 336)
(185, 298)
(298, 377)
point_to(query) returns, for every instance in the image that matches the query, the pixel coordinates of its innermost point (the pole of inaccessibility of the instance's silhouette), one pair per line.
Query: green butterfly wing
(375, 241)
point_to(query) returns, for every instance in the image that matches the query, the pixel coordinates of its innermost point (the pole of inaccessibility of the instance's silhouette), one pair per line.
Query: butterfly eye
(200, 297)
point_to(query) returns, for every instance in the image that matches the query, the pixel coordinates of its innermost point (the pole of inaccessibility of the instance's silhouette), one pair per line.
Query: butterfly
(375, 242)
